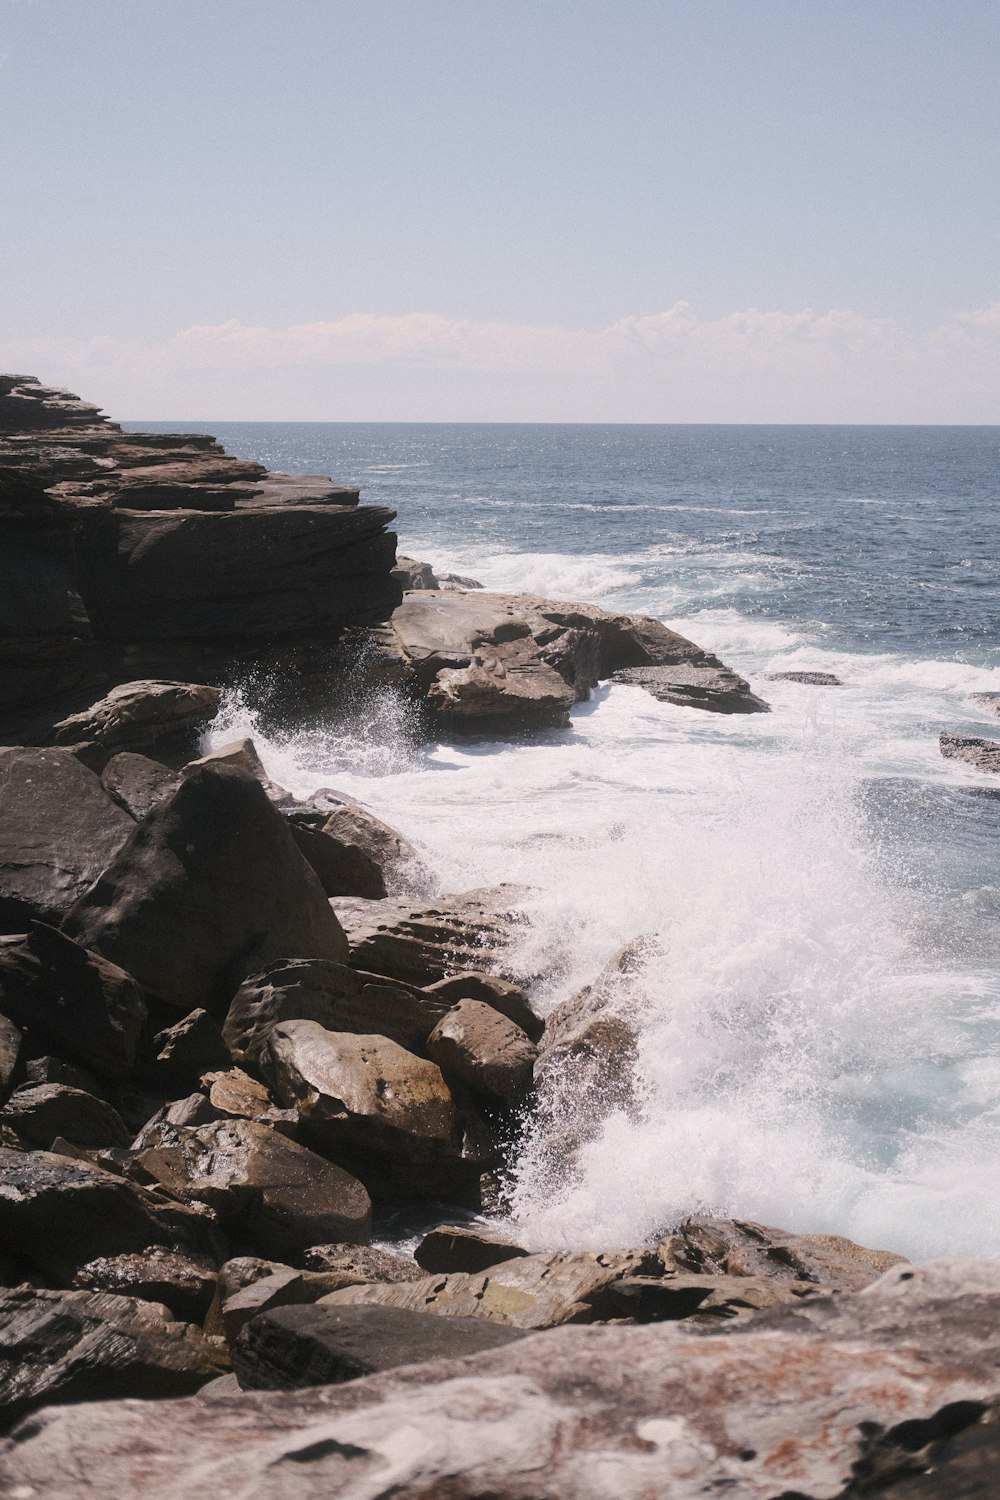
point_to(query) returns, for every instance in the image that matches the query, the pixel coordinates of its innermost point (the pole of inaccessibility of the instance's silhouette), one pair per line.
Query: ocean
(820, 1049)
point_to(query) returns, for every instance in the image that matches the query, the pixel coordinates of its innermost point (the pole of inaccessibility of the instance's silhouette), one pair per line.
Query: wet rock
(292, 1347)
(336, 997)
(39, 1112)
(366, 1094)
(983, 755)
(423, 943)
(360, 1263)
(989, 701)
(78, 1001)
(10, 1052)
(704, 1298)
(211, 879)
(410, 574)
(453, 1247)
(506, 998)
(341, 868)
(58, 1214)
(273, 1193)
(136, 715)
(485, 1050)
(716, 689)
(137, 783)
(792, 1402)
(809, 679)
(382, 859)
(88, 1346)
(59, 830)
(180, 1282)
(530, 1291)
(735, 1247)
(193, 1046)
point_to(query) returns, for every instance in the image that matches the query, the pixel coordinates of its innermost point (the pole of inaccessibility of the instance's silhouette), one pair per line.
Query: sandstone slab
(432, 940)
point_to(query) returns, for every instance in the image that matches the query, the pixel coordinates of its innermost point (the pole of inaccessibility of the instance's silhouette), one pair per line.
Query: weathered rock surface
(58, 1214)
(88, 1346)
(886, 1392)
(360, 1263)
(808, 679)
(508, 999)
(235, 1095)
(411, 574)
(423, 943)
(733, 1247)
(84, 1005)
(58, 830)
(282, 1287)
(138, 714)
(692, 685)
(455, 1247)
(270, 1192)
(336, 997)
(485, 1050)
(530, 1291)
(183, 1283)
(211, 879)
(984, 755)
(297, 1346)
(38, 1113)
(989, 701)
(359, 832)
(701, 1298)
(137, 783)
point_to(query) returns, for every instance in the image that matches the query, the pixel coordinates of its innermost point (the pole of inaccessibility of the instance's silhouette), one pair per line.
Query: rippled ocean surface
(821, 1045)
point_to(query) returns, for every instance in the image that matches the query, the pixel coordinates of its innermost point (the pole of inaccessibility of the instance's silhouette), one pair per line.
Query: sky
(504, 210)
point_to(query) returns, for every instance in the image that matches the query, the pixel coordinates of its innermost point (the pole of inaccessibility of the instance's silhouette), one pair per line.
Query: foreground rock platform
(888, 1392)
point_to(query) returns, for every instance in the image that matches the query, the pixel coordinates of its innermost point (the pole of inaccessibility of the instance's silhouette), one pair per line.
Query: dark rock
(705, 1298)
(374, 847)
(360, 1263)
(182, 1283)
(716, 689)
(989, 701)
(293, 1347)
(137, 783)
(423, 943)
(796, 1401)
(211, 879)
(138, 714)
(10, 1053)
(453, 1247)
(485, 1050)
(87, 1346)
(342, 869)
(190, 1048)
(81, 1003)
(809, 679)
(39, 1112)
(46, 1069)
(734, 1247)
(338, 998)
(410, 574)
(508, 999)
(242, 754)
(57, 1214)
(269, 1191)
(983, 755)
(59, 830)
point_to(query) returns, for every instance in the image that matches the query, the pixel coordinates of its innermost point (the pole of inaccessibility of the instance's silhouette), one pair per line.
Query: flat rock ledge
(981, 754)
(887, 1392)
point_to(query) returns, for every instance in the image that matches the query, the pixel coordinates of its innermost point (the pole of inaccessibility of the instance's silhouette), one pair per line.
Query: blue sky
(416, 209)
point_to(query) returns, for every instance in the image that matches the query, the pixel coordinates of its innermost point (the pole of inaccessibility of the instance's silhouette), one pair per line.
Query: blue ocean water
(820, 1037)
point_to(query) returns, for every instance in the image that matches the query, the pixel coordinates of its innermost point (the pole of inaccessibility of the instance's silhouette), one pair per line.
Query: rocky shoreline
(237, 1028)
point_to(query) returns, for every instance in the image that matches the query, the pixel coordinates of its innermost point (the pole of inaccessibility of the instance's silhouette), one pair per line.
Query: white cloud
(671, 366)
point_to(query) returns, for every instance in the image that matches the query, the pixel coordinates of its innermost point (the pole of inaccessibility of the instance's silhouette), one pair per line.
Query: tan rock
(485, 1050)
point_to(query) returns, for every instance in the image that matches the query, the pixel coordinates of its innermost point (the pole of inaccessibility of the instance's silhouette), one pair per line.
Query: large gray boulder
(59, 830)
(209, 883)
(889, 1393)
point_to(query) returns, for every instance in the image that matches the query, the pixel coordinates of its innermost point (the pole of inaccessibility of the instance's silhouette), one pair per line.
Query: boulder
(183, 1283)
(983, 755)
(282, 1287)
(39, 1112)
(268, 1191)
(336, 997)
(10, 1053)
(360, 1263)
(138, 714)
(530, 1291)
(411, 574)
(236, 1095)
(366, 1094)
(423, 943)
(989, 701)
(691, 685)
(88, 1346)
(137, 783)
(373, 846)
(702, 1299)
(734, 1247)
(47, 1069)
(291, 1347)
(485, 1050)
(508, 999)
(78, 1001)
(453, 1247)
(211, 880)
(242, 754)
(343, 869)
(889, 1392)
(457, 581)
(808, 679)
(191, 1047)
(59, 830)
(58, 1214)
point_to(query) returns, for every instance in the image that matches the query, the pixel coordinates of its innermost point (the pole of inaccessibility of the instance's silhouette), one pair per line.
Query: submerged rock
(982, 754)
(989, 701)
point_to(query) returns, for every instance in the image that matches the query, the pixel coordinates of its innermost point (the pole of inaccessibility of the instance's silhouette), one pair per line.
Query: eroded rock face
(269, 1191)
(508, 999)
(425, 942)
(692, 685)
(485, 1050)
(984, 755)
(183, 1283)
(211, 879)
(88, 1346)
(798, 1402)
(138, 714)
(733, 1247)
(137, 783)
(59, 830)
